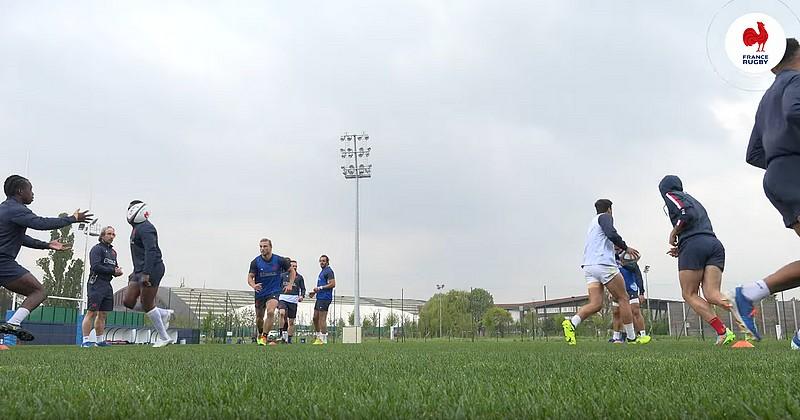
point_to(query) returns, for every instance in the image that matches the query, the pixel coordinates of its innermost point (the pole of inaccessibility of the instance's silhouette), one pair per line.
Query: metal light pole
(440, 287)
(353, 147)
(647, 294)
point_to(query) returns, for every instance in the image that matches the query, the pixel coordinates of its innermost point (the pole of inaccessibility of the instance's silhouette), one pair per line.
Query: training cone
(742, 344)
(4, 347)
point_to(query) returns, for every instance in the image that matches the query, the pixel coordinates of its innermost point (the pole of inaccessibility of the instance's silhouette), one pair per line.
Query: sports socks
(617, 335)
(324, 337)
(576, 320)
(719, 327)
(19, 316)
(756, 291)
(642, 332)
(630, 331)
(155, 317)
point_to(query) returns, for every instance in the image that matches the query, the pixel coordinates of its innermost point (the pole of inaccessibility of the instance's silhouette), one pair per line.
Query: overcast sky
(494, 126)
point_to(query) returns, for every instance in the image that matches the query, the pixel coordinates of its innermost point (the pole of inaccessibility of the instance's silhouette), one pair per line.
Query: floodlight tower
(354, 150)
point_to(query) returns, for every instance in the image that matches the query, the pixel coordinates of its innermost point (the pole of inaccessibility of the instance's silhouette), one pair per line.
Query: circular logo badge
(755, 43)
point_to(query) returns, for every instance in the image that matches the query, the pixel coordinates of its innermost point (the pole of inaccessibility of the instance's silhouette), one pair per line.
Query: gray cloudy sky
(495, 127)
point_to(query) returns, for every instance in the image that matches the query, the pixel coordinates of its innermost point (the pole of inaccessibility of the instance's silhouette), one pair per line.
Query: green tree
(391, 320)
(455, 314)
(496, 320)
(62, 275)
(480, 301)
(351, 319)
(208, 324)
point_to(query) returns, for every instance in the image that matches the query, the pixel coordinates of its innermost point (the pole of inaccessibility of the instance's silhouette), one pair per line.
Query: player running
(265, 279)
(775, 146)
(15, 218)
(701, 256)
(287, 303)
(635, 288)
(600, 270)
(148, 270)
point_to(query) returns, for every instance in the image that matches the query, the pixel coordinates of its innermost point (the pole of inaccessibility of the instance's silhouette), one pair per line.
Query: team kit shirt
(268, 274)
(325, 275)
(298, 289)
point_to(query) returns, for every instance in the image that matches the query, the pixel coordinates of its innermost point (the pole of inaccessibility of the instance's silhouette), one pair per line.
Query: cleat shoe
(617, 341)
(15, 330)
(743, 310)
(643, 339)
(634, 341)
(795, 343)
(569, 332)
(725, 339)
(87, 344)
(103, 344)
(317, 342)
(162, 343)
(261, 340)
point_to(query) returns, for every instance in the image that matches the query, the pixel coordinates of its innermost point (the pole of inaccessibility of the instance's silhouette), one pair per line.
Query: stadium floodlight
(354, 151)
(440, 287)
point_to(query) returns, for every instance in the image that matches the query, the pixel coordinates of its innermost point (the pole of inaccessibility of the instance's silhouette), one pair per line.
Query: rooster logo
(751, 37)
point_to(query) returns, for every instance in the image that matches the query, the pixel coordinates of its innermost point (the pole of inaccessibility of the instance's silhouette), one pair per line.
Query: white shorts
(634, 301)
(600, 273)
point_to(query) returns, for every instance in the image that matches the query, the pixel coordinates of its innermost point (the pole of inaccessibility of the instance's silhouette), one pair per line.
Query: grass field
(666, 379)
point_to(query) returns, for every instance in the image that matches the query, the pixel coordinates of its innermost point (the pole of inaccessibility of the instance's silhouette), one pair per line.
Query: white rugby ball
(138, 213)
(627, 258)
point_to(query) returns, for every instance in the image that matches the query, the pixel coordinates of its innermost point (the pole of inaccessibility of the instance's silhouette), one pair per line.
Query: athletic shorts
(600, 273)
(782, 186)
(261, 301)
(322, 305)
(10, 271)
(630, 284)
(700, 251)
(289, 307)
(155, 276)
(100, 296)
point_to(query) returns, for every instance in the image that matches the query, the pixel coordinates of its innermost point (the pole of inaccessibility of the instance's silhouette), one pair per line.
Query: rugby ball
(627, 258)
(138, 213)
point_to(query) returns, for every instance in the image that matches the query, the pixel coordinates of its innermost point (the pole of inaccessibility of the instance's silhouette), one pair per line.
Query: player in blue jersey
(265, 279)
(775, 146)
(633, 285)
(324, 294)
(15, 219)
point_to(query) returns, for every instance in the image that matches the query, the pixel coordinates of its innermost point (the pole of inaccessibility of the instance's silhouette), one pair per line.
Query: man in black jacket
(103, 267)
(15, 218)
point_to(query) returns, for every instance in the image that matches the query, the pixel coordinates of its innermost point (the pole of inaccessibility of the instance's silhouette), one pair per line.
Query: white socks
(642, 332)
(617, 335)
(324, 337)
(576, 320)
(19, 316)
(630, 331)
(756, 291)
(155, 317)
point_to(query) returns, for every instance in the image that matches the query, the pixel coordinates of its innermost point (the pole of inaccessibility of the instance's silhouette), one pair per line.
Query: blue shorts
(155, 276)
(10, 271)
(699, 251)
(322, 305)
(100, 296)
(782, 186)
(630, 283)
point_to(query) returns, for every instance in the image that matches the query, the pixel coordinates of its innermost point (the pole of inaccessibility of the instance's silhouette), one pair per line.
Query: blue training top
(15, 219)
(268, 274)
(325, 275)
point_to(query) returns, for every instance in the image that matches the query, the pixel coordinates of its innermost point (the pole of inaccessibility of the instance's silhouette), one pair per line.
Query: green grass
(666, 379)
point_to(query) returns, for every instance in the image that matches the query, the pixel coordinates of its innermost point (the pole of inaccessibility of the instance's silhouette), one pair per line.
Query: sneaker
(569, 332)
(15, 330)
(103, 344)
(725, 339)
(162, 343)
(795, 343)
(317, 342)
(643, 339)
(261, 340)
(743, 310)
(87, 344)
(166, 316)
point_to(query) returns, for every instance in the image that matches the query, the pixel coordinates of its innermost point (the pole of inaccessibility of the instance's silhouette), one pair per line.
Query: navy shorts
(289, 307)
(155, 276)
(261, 301)
(100, 296)
(697, 252)
(782, 186)
(630, 283)
(10, 271)
(322, 305)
